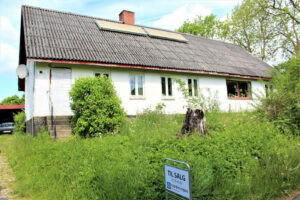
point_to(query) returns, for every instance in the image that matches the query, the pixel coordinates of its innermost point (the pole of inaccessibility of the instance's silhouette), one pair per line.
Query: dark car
(7, 127)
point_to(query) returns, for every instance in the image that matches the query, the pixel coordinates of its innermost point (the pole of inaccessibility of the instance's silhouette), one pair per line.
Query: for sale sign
(177, 181)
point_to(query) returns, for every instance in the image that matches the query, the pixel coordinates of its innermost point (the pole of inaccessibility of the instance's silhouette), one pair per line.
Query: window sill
(240, 98)
(167, 98)
(137, 98)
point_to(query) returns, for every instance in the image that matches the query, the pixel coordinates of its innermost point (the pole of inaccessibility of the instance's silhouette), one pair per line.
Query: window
(268, 89)
(136, 85)
(101, 74)
(238, 89)
(193, 87)
(166, 86)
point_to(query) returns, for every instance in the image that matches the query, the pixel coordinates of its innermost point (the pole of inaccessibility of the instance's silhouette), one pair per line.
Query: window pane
(195, 87)
(163, 86)
(107, 75)
(244, 89)
(170, 87)
(140, 85)
(132, 85)
(232, 89)
(97, 74)
(190, 87)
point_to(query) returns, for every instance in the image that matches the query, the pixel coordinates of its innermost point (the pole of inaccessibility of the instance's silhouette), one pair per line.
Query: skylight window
(123, 28)
(165, 35)
(137, 30)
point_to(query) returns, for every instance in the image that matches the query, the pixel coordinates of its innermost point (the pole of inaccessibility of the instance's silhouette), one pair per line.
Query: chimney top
(127, 17)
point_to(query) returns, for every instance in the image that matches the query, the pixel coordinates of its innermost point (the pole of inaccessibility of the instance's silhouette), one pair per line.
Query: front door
(60, 86)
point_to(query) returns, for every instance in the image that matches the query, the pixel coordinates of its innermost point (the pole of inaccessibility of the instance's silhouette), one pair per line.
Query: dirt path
(6, 178)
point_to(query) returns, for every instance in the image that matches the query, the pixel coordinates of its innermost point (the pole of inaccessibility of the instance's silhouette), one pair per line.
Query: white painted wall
(152, 89)
(29, 90)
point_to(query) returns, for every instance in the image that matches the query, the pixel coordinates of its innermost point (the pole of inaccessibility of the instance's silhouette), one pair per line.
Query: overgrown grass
(3, 138)
(243, 158)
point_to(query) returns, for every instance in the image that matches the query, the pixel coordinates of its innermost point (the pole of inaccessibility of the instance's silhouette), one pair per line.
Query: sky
(166, 14)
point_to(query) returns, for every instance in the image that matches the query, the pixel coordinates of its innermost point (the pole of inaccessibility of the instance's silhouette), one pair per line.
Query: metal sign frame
(188, 170)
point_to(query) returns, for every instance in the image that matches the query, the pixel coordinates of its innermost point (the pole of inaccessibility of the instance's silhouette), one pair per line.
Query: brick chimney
(127, 17)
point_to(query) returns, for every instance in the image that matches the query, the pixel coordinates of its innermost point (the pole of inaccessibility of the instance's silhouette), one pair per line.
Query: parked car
(7, 127)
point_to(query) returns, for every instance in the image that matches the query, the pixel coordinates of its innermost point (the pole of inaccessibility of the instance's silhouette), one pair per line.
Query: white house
(57, 48)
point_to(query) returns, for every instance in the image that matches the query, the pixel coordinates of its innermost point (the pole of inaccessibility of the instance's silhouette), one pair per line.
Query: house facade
(57, 48)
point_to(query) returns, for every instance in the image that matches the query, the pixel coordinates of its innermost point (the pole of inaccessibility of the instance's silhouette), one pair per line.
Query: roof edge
(12, 107)
(220, 74)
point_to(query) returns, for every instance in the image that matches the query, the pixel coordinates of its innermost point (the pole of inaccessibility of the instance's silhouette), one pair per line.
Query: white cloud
(224, 2)
(8, 59)
(177, 17)
(7, 32)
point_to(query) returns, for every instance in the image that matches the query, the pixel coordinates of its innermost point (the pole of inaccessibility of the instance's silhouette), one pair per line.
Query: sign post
(177, 180)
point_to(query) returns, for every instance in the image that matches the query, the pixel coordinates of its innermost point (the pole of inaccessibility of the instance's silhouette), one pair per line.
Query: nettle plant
(208, 102)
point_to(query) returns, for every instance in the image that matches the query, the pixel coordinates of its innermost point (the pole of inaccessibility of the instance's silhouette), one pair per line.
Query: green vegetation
(96, 107)
(265, 28)
(20, 122)
(282, 105)
(13, 100)
(244, 158)
(208, 27)
(205, 98)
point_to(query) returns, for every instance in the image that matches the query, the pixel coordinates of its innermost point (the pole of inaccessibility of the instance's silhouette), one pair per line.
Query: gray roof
(57, 35)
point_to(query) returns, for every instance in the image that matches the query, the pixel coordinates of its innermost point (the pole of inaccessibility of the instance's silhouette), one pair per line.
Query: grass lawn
(243, 158)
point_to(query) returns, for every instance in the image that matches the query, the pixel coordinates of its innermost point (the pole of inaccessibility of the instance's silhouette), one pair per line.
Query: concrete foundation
(58, 127)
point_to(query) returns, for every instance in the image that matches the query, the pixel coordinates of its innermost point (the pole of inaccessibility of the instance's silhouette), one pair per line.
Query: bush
(282, 105)
(20, 122)
(96, 106)
(244, 158)
(13, 100)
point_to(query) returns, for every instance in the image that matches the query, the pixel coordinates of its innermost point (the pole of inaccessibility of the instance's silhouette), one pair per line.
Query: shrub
(282, 105)
(96, 106)
(20, 124)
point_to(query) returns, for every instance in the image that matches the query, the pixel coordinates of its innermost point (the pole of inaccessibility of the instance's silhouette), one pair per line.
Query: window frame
(167, 95)
(238, 82)
(268, 89)
(193, 87)
(136, 95)
(102, 73)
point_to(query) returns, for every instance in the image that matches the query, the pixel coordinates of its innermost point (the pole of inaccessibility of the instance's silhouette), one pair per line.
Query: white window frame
(193, 87)
(137, 96)
(167, 96)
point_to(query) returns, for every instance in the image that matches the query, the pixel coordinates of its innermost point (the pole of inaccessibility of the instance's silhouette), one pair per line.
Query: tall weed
(235, 162)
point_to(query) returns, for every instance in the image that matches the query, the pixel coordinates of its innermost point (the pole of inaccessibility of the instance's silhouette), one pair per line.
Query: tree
(253, 29)
(289, 8)
(13, 100)
(282, 104)
(287, 14)
(96, 107)
(208, 27)
(267, 29)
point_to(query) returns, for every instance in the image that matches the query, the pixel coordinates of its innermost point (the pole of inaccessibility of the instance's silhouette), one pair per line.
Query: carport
(7, 112)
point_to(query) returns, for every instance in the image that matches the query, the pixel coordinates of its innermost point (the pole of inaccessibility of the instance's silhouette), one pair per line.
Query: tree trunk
(195, 122)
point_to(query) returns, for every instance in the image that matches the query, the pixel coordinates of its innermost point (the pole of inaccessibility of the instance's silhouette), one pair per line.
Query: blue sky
(167, 14)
